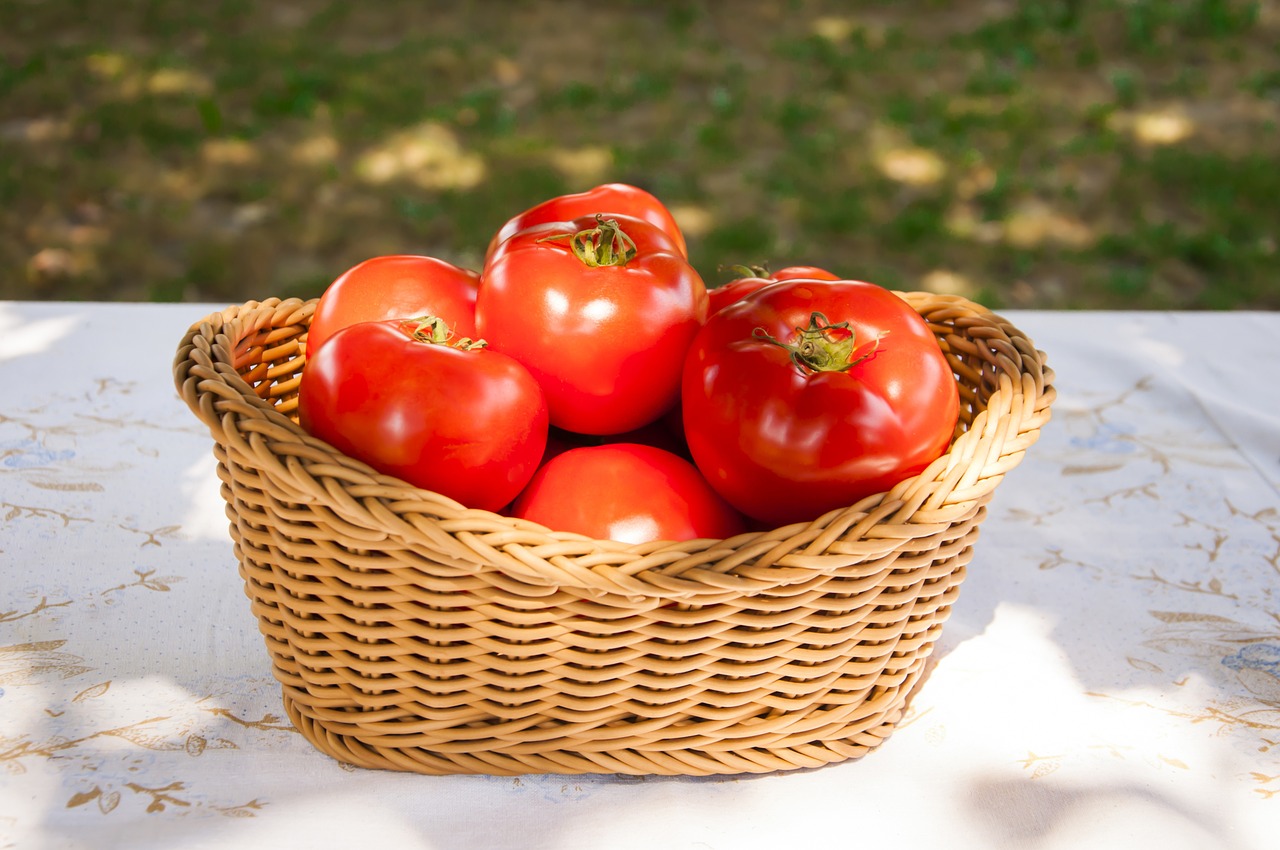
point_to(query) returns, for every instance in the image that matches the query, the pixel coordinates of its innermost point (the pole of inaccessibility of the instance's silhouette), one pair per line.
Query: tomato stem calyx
(743, 270)
(822, 346)
(433, 330)
(606, 244)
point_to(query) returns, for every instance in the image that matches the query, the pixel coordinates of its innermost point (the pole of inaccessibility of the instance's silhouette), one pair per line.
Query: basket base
(854, 741)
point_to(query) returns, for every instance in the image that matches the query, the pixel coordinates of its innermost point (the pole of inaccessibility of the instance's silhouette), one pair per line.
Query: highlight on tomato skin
(442, 413)
(627, 492)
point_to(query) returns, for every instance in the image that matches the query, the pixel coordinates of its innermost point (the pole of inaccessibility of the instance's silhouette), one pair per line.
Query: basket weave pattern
(411, 633)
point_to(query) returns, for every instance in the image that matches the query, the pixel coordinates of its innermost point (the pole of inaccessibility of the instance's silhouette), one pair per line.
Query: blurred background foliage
(1104, 154)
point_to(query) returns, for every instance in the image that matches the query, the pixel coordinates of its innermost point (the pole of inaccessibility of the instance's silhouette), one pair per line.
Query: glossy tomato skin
(607, 199)
(606, 343)
(735, 290)
(648, 239)
(627, 492)
(785, 444)
(397, 286)
(468, 424)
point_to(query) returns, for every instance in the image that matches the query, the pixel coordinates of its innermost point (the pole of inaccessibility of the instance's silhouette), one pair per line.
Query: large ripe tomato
(466, 422)
(810, 395)
(601, 323)
(626, 492)
(610, 199)
(735, 290)
(396, 287)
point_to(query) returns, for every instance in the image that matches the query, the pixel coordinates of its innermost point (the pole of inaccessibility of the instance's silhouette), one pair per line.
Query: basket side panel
(427, 674)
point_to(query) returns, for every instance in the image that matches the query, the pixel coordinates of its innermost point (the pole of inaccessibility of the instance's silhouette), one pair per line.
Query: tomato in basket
(396, 286)
(627, 492)
(601, 311)
(806, 396)
(415, 401)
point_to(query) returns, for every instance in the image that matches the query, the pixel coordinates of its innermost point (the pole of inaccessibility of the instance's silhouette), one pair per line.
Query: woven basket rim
(993, 443)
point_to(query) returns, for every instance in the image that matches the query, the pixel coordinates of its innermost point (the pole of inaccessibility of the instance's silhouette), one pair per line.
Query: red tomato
(735, 290)
(466, 422)
(647, 239)
(807, 396)
(626, 492)
(610, 199)
(396, 287)
(602, 325)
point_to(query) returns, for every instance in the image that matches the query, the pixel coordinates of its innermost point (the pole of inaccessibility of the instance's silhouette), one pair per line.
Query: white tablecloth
(1110, 676)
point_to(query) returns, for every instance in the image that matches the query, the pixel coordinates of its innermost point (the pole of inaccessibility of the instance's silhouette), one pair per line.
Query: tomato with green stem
(412, 400)
(609, 199)
(601, 311)
(754, 278)
(638, 236)
(806, 396)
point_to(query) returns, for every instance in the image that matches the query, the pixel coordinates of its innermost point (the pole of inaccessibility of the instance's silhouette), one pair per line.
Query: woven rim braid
(411, 633)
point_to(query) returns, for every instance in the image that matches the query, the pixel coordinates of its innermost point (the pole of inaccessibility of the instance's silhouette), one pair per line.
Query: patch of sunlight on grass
(842, 30)
(911, 165)
(1033, 222)
(1030, 223)
(179, 183)
(428, 155)
(694, 220)
(36, 130)
(507, 71)
(55, 263)
(108, 66)
(897, 158)
(178, 81)
(977, 180)
(587, 165)
(131, 82)
(320, 149)
(948, 282)
(1153, 128)
(965, 221)
(834, 28)
(229, 152)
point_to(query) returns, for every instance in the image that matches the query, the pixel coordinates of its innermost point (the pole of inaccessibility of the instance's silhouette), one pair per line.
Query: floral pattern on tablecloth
(83, 545)
(1151, 528)
(1214, 604)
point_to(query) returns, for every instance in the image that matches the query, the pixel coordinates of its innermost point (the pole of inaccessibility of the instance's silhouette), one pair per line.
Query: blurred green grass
(1111, 154)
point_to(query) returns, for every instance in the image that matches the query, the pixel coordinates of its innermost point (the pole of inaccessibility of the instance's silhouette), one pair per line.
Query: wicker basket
(414, 634)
